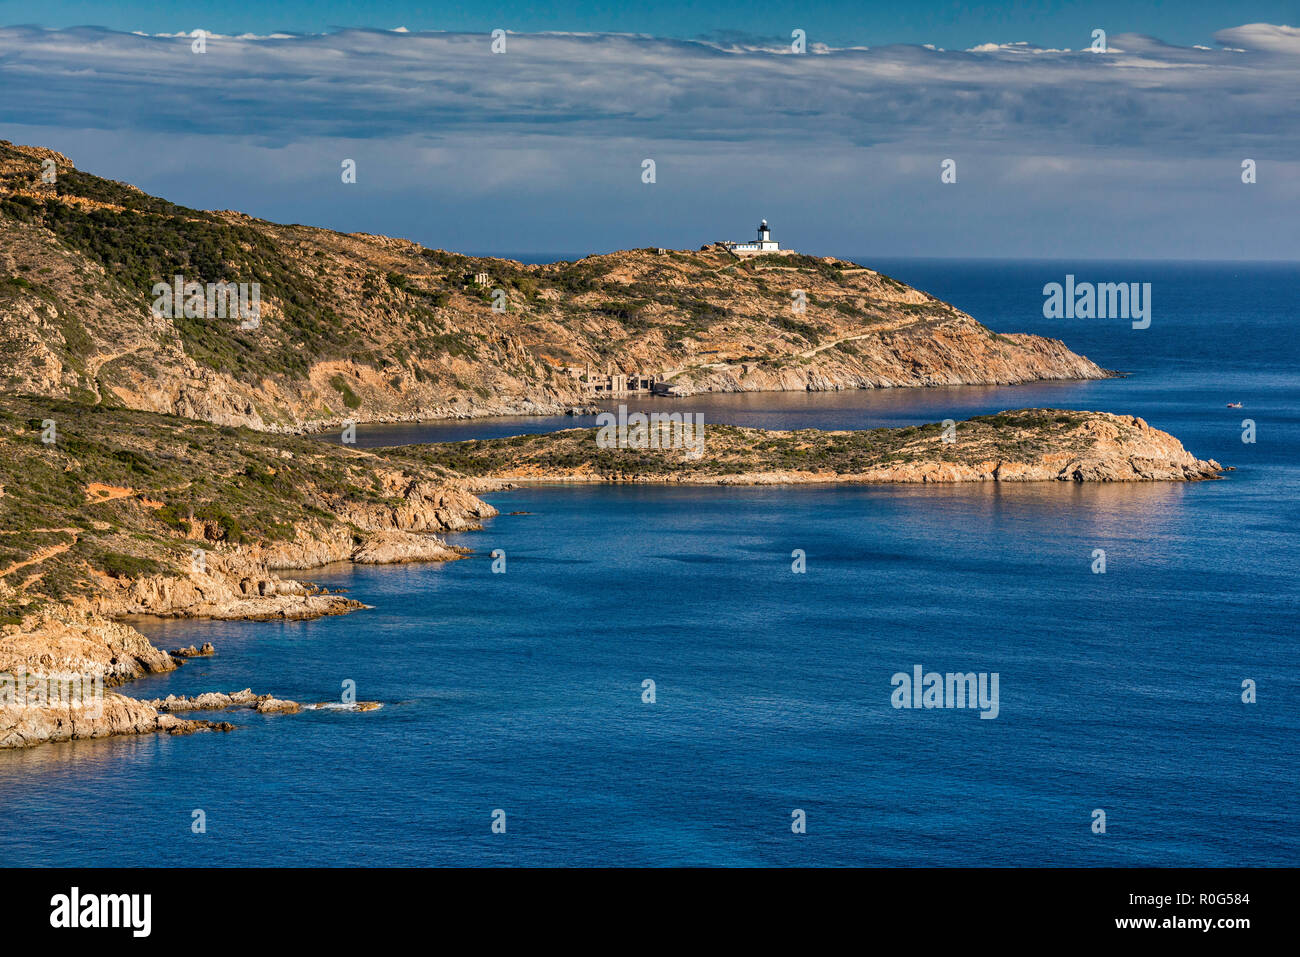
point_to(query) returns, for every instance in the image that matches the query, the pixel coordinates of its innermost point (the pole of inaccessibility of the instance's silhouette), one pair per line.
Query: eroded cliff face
(81, 640)
(61, 639)
(239, 582)
(421, 506)
(952, 351)
(1113, 449)
(372, 329)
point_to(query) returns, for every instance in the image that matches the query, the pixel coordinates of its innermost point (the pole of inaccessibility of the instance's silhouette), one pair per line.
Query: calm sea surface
(523, 691)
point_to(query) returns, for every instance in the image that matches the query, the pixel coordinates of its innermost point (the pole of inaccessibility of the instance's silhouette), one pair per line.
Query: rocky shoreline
(150, 466)
(83, 552)
(95, 638)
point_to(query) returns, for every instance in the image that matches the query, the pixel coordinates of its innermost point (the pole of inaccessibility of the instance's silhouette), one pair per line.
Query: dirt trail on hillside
(41, 556)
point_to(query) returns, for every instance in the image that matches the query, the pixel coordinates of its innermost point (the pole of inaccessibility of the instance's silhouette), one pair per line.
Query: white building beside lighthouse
(763, 245)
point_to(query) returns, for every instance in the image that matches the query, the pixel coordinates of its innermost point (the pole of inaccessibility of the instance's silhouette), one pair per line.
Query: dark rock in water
(191, 652)
(192, 727)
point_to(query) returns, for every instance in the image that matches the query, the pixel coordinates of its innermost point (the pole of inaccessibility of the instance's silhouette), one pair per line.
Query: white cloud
(1143, 95)
(1268, 37)
(1058, 151)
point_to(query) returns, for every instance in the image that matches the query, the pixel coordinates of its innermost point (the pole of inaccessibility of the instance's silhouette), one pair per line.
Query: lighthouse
(763, 245)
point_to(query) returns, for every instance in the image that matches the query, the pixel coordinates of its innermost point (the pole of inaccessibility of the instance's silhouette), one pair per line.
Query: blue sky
(1060, 152)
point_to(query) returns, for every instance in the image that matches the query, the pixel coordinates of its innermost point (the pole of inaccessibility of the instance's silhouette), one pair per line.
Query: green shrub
(128, 566)
(350, 398)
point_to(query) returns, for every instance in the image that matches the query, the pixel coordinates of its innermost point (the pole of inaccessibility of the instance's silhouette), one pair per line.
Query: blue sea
(523, 692)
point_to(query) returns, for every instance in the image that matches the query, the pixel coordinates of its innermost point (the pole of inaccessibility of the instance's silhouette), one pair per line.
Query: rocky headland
(363, 328)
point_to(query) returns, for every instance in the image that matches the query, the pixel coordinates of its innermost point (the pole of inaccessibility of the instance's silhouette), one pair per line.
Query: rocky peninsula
(1027, 445)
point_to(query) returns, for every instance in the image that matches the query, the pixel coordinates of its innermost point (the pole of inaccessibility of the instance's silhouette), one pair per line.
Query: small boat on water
(1234, 405)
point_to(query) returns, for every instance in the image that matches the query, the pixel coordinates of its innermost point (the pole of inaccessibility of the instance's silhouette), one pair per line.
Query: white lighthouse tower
(764, 235)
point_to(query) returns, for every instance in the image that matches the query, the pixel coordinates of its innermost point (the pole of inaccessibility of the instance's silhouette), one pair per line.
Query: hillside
(369, 328)
(113, 513)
